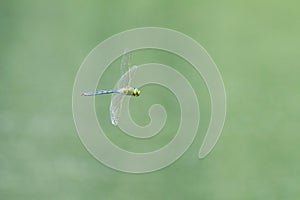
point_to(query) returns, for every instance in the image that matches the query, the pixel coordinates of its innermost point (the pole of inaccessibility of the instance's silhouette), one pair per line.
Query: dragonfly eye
(136, 92)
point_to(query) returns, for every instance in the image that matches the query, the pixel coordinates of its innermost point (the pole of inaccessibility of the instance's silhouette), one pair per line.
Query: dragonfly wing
(127, 71)
(125, 62)
(117, 98)
(115, 108)
(124, 81)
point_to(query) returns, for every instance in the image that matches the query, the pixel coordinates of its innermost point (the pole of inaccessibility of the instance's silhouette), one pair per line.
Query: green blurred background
(256, 47)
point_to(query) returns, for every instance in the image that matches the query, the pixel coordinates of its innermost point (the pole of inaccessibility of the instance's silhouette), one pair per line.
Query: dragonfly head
(136, 92)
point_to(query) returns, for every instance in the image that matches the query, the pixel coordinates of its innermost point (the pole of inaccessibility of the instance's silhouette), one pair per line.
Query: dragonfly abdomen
(100, 92)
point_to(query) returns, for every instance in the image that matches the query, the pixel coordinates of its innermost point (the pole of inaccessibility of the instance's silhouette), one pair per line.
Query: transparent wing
(125, 80)
(117, 99)
(115, 108)
(126, 71)
(125, 62)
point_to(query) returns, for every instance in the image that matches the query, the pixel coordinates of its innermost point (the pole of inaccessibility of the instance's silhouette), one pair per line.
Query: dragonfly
(122, 88)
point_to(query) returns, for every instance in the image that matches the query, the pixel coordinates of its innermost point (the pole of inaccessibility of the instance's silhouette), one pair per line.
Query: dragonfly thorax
(131, 91)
